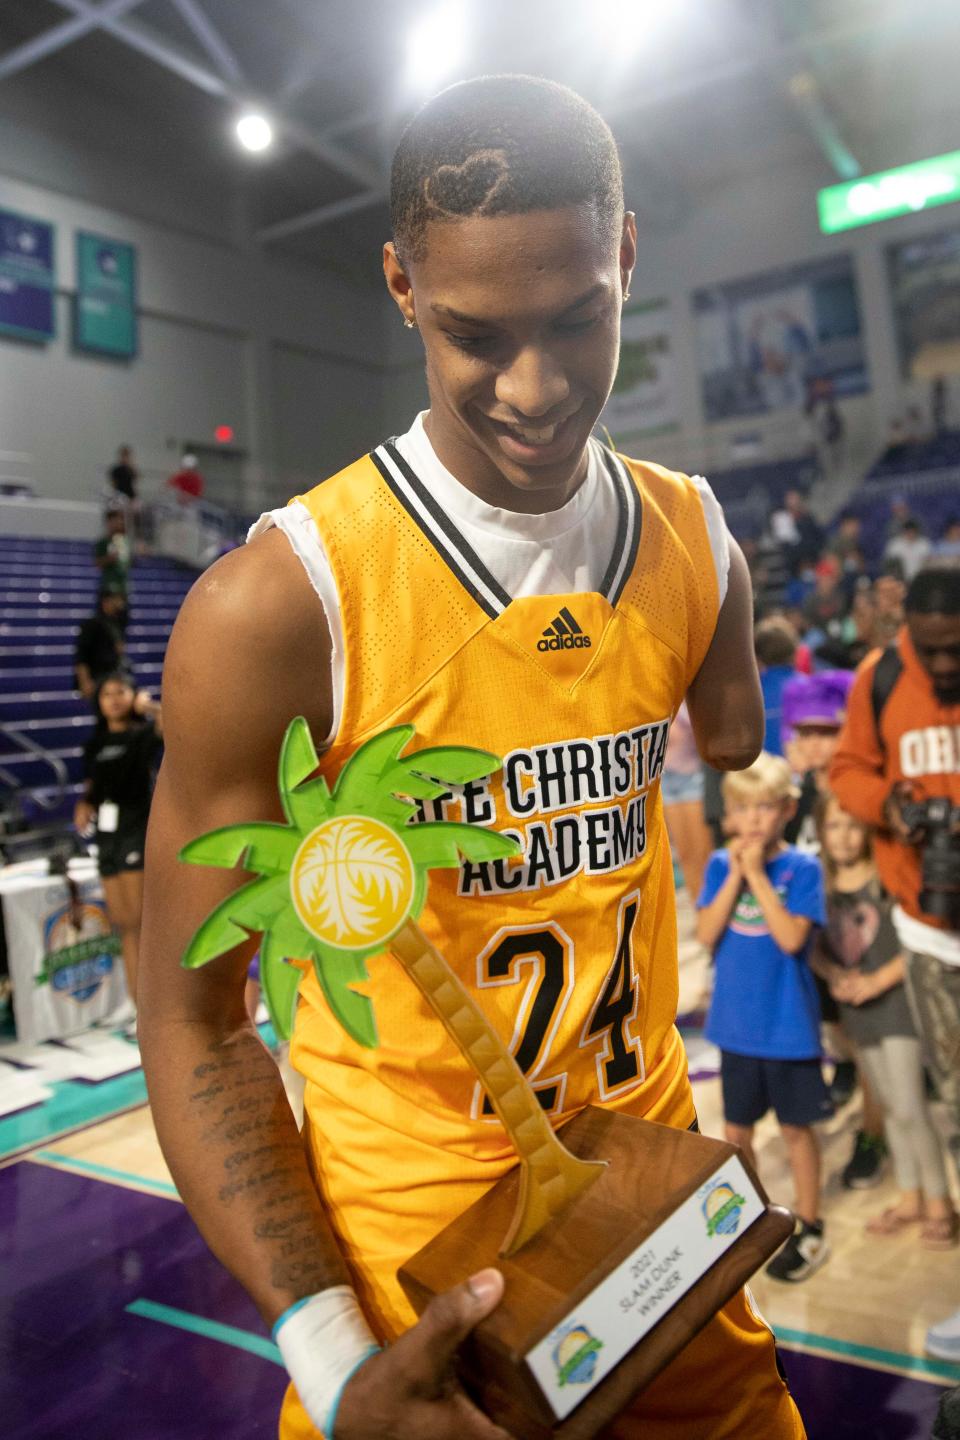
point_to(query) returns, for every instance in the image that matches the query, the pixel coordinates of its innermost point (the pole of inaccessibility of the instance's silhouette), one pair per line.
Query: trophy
(618, 1241)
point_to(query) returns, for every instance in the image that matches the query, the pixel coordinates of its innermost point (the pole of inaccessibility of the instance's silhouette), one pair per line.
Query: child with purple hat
(814, 709)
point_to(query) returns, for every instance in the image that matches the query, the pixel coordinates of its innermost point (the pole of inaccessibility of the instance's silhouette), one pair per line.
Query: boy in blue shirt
(760, 900)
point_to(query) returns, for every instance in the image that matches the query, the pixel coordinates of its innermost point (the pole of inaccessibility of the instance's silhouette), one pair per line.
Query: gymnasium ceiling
(699, 92)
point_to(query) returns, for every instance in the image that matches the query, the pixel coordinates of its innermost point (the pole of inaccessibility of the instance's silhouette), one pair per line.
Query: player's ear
(628, 249)
(398, 283)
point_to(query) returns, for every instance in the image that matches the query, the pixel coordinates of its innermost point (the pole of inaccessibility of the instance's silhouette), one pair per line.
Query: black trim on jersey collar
(627, 541)
(463, 560)
(440, 530)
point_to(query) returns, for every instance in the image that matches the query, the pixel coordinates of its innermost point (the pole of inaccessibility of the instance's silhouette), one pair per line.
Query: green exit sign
(891, 192)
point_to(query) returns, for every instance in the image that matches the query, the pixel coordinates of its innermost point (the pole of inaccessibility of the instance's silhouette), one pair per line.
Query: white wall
(323, 403)
(215, 315)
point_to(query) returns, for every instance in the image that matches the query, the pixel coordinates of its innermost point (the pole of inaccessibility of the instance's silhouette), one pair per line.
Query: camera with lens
(935, 828)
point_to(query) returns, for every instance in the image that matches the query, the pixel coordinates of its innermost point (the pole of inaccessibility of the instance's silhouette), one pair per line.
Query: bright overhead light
(637, 27)
(436, 44)
(254, 132)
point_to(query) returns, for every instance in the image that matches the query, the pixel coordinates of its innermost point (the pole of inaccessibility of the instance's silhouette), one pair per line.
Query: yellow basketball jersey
(571, 950)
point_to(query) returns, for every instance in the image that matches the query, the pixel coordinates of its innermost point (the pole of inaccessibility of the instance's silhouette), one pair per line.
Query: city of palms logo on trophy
(610, 1265)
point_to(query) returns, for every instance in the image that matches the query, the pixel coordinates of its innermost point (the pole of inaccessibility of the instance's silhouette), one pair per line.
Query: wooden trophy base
(603, 1298)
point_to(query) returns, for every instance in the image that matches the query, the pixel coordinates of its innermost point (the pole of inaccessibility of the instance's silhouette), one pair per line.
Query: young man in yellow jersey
(499, 579)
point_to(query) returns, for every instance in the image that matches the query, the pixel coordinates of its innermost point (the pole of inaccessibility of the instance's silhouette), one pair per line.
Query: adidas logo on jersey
(563, 633)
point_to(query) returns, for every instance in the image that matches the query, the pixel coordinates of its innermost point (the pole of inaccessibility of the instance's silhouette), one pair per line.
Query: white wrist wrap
(323, 1340)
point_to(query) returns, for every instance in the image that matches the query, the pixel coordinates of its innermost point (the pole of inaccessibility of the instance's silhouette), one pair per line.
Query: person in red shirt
(901, 744)
(188, 480)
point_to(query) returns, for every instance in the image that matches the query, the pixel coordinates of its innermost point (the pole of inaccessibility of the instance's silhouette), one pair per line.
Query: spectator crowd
(830, 903)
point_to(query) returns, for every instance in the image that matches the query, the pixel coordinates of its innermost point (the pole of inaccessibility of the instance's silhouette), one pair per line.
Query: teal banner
(105, 315)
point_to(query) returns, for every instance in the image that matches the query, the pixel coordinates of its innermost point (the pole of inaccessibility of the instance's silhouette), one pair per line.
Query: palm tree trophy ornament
(346, 879)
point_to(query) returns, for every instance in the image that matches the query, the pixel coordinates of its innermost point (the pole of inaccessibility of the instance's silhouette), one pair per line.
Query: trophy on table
(617, 1242)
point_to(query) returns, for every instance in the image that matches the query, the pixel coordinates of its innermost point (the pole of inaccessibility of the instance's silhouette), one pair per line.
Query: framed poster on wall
(766, 341)
(27, 277)
(925, 293)
(105, 312)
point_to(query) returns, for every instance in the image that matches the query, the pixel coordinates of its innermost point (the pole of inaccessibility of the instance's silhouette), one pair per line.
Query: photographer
(897, 768)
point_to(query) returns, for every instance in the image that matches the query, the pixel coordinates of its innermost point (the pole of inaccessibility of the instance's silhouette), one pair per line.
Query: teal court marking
(106, 1172)
(76, 1105)
(918, 1365)
(934, 1370)
(209, 1329)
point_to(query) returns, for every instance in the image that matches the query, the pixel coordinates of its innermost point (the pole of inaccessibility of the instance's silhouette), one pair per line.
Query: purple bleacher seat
(771, 478)
(913, 458)
(933, 500)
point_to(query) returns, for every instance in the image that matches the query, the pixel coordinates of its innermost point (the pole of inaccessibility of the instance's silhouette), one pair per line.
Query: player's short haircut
(768, 778)
(934, 590)
(775, 641)
(501, 145)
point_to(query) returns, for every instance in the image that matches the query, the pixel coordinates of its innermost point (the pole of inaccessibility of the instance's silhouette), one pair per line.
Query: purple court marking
(72, 1362)
(75, 1252)
(839, 1401)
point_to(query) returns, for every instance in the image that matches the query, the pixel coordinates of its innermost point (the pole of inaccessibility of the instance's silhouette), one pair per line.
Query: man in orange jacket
(899, 749)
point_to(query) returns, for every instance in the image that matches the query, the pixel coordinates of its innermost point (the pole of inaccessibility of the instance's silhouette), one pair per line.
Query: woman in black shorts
(119, 764)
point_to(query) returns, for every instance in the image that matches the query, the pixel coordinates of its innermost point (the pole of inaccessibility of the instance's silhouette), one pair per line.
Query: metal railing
(42, 796)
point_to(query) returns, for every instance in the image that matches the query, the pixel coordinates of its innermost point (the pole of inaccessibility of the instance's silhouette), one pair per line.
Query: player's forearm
(234, 1150)
(713, 919)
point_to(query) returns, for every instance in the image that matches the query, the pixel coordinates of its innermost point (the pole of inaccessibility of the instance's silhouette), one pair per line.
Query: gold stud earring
(410, 324)
(626, 297)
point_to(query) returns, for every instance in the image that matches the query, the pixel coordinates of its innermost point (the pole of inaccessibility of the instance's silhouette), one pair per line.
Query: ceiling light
(254, 132)
(436, 44)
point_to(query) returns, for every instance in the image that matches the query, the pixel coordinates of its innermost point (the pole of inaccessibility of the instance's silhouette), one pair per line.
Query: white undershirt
(559, 552)
(923, 939)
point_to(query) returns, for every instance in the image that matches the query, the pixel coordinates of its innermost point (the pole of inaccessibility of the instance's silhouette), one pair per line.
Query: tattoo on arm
(262, 1164)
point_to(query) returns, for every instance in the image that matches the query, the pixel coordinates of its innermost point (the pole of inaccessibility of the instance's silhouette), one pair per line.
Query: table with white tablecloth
(63, 955)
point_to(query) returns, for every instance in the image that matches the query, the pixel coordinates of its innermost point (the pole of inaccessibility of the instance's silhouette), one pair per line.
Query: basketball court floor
(115, 1320)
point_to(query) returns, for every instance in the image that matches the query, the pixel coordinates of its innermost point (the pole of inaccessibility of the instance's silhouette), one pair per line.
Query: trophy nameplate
(608, 1292)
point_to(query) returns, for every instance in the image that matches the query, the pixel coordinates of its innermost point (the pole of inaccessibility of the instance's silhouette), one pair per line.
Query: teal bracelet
(332, 1412)
(290, 1310)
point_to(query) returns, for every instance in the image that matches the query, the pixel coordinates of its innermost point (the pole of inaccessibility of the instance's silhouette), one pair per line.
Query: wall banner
(925, 292)
(105, 312)
(644, 397)
(27, 277)
(768, 342)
